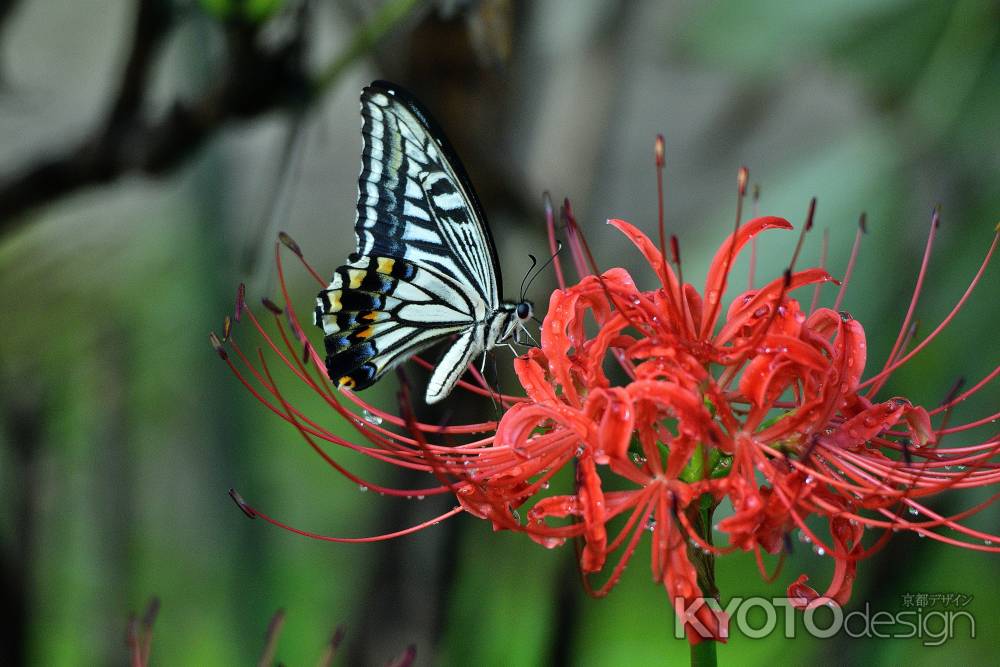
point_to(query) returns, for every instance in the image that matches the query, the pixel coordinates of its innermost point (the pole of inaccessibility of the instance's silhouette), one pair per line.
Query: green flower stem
(703, 654)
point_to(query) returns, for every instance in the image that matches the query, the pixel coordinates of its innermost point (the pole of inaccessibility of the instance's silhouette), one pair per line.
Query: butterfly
(425, 265)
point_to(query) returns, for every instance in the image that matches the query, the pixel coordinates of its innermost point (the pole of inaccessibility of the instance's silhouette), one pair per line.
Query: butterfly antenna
(534, 263)
(559, 247)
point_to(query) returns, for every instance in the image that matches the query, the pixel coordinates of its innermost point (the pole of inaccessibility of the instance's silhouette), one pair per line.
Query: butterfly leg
(517, 338)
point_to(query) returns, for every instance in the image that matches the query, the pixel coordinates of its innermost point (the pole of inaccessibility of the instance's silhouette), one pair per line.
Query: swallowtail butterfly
(424, 267)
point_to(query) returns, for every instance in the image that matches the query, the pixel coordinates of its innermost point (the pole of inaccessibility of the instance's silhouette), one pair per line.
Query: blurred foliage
(121, 434)
(254, 11)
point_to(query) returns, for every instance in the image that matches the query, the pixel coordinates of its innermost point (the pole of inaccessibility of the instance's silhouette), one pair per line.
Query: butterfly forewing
(425, 265)
(414, 199)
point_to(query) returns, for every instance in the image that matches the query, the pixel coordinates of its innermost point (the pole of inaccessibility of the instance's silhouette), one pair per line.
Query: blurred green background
(122, 431)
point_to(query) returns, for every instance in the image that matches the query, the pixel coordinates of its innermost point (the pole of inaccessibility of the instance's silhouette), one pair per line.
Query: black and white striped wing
(425, 266)
(415, 200)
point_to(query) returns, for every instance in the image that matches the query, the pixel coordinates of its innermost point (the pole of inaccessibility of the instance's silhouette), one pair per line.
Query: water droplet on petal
(913, 511)
(820, 551)
(362, 488)
(371, 417)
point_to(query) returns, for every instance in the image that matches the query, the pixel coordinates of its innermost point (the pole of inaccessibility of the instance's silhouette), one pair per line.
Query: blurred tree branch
(256, 79)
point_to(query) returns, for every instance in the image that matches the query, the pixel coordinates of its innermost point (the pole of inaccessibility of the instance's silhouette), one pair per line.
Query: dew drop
(810, 480)
(921, 535)
(362, 488)
(913, 511)
(516, 515)
(579, 451)
(420, 497)
(371, 417)
(988, 543)
(820, 551)
(651, 524)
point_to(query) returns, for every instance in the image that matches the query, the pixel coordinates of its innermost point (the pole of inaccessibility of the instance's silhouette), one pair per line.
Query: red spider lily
(767, 410)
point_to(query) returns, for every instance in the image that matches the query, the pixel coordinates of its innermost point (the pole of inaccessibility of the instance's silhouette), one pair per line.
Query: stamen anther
(242, 504)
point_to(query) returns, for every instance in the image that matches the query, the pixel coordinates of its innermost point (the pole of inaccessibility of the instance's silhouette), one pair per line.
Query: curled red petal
(594, 512)
(612, 410)
(723, 263)
(649, 251)
(531, 374)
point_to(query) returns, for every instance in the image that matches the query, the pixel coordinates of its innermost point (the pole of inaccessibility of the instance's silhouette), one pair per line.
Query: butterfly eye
(524, 310)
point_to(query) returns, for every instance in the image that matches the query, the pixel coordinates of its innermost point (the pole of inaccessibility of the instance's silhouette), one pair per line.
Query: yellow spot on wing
(356, 275)
(371, 316)
(366, 333)
(385, 265)
(334, 297)
(346, 381)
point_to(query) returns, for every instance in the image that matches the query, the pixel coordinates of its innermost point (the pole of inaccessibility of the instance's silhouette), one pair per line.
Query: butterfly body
(425, 267)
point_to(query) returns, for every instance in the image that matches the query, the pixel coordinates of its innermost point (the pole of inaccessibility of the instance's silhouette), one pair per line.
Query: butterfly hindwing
(379, 311)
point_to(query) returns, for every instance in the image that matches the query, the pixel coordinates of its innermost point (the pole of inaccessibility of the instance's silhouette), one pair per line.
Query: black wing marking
(379, 311)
